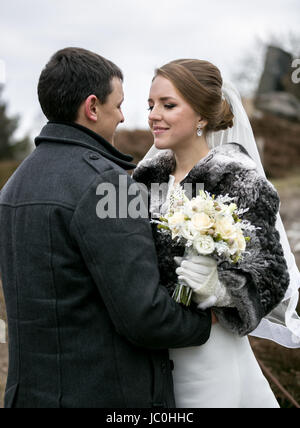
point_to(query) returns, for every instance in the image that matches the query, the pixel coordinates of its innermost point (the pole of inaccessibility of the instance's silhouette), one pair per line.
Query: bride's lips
(158, 130)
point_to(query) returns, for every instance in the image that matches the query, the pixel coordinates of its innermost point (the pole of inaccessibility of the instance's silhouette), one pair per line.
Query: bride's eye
(170, 106)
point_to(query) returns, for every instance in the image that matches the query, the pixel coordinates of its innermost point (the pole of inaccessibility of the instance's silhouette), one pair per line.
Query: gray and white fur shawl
(257, 283)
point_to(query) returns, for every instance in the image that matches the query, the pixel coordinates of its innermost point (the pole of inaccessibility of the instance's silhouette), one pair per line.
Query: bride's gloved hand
(200, 273)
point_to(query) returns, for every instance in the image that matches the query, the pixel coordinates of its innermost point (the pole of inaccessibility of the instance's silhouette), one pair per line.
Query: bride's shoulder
(244, 178)
(230, 154)
(228, 163)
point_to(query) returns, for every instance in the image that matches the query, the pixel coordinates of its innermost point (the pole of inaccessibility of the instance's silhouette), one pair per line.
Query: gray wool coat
(256, 284)
(89, 323)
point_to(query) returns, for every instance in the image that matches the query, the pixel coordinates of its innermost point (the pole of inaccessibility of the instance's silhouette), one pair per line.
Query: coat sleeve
(257, 284)
(120, 255)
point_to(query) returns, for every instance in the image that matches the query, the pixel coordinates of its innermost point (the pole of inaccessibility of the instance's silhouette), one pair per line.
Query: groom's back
(45, 282)
(60, 334)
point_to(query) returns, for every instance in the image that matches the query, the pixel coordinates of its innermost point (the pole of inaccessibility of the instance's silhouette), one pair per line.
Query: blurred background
(255, 44)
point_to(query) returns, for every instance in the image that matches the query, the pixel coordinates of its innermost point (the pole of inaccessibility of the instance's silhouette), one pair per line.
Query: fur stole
(257, 284)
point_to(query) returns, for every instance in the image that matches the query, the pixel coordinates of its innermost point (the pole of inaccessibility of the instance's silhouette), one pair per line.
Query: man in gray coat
(89, 324)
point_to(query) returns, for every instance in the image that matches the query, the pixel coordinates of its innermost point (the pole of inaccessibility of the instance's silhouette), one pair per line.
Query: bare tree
(251, 66)
(10, 148)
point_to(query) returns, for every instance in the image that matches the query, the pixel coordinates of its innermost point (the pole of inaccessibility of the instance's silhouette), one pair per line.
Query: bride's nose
(155, 115)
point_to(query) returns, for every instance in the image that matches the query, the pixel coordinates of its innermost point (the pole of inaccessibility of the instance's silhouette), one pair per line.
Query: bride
(202, 135)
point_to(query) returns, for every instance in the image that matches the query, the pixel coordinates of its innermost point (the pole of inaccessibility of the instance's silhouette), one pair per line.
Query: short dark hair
(69, 78)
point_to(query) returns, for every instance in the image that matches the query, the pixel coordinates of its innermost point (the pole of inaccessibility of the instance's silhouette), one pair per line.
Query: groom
(89, 324)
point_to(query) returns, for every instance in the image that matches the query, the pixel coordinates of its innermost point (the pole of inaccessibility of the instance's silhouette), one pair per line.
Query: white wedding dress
(223, 373)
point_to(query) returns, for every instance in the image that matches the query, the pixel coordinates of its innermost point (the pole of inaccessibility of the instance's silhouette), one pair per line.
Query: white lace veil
(282, 325)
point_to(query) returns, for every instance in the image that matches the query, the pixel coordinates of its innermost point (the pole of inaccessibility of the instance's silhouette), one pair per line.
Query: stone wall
(280, 144)
(136, 143)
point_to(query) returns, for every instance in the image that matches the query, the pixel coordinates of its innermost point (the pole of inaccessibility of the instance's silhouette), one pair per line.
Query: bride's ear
(202, 123)
(91, 108)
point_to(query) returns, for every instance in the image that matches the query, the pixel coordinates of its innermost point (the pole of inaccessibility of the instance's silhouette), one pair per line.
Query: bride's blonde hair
(200, 84)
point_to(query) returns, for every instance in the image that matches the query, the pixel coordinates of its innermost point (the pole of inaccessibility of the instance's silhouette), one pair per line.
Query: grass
(7, 168)
(284, 365)
(290, 183)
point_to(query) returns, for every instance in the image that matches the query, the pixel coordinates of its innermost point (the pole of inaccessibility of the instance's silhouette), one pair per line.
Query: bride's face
(172, 120)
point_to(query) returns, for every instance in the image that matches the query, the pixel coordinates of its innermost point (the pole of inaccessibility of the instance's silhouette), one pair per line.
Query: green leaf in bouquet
(162, 226)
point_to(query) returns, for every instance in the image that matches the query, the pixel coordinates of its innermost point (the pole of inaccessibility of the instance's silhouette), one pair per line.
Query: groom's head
(79, 86)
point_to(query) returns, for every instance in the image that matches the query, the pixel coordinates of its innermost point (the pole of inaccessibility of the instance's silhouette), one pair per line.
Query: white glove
(200, 273)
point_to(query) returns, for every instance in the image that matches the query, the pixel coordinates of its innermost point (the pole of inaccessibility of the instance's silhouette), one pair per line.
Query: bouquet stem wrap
(182, 293)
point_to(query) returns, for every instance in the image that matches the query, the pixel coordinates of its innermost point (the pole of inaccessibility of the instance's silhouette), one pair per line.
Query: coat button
(94, 156)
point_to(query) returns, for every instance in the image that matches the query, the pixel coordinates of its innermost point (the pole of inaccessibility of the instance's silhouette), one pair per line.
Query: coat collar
(74, 134)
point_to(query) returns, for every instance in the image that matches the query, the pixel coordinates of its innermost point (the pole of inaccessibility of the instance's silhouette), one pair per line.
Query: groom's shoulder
(94, 170)
(98, 176)
(100, 167)
(96, 163)
(77, 170)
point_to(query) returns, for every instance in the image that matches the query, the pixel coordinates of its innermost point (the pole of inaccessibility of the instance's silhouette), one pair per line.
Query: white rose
(188, 231)
(204, 245)
(238, 244)
(177, 219)
(226, 228)
(202, 222)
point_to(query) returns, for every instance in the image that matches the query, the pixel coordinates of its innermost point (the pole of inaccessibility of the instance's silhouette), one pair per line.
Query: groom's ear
(91, 109)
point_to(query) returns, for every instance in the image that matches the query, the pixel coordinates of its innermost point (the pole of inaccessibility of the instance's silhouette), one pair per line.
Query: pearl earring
(199, 131)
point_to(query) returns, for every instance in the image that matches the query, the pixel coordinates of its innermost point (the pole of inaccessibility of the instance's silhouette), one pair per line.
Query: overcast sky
(138, 35)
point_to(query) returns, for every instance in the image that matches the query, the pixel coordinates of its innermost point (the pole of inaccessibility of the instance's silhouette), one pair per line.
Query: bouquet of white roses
(206, 225)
